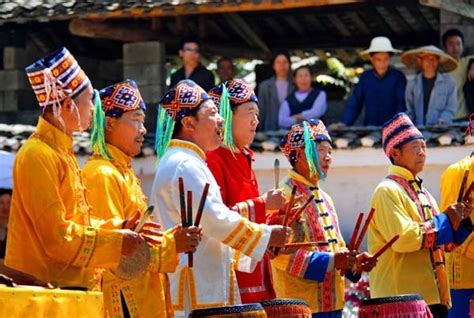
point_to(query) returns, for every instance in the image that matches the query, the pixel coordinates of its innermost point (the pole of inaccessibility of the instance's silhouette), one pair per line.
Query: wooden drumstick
(298, 213)
(201, 205)
(190, 222)
(385, 247)
(182, 203)
(355, 233)
(364, 229)
(306, 244)
(463, 186)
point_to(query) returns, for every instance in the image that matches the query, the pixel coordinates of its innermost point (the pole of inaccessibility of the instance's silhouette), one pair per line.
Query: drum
(403, 306)
(286, 308)
(134, 265)
(237, 311)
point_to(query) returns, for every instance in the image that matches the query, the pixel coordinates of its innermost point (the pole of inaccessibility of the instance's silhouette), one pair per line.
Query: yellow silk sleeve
(64, 234)
(394, 215)
(164, 258)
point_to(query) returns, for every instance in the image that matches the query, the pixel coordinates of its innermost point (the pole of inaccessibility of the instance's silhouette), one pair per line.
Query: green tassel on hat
(311, 152)
(226, 112)
(164, 132)
(98, 129)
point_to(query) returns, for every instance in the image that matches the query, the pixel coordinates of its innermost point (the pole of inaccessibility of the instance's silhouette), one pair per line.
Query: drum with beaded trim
(403, 306)
(286, 308)
(237, 311)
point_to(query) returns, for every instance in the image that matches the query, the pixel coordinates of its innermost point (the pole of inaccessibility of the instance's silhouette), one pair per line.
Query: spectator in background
(192, 69)
(305, 103)
(380, 91)
(6, 177)
(273, 91)
(430, 97)
(225, 69)
(453, 43)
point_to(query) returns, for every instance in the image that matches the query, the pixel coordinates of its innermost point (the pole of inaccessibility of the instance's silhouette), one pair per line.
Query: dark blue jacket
(381, 98)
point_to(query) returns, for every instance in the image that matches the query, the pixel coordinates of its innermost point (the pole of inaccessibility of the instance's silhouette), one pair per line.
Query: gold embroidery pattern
(234, 232)
(87, 247)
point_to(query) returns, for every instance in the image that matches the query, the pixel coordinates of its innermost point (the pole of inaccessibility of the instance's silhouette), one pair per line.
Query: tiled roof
(13, 136)
(44, 9)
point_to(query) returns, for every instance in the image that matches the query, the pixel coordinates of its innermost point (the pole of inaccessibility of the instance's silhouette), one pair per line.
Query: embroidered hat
(112, 101)
(446, 62)
(238, 93)
(121, 97)
(302, 137)
(177, 103)
(228, 96)
(182, 98)
(398, 131)
(56, 77)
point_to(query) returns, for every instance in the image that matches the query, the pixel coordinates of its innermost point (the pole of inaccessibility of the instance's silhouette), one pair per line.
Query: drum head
(134, 265)
(229, 310)
(392, 299)
(284, 301)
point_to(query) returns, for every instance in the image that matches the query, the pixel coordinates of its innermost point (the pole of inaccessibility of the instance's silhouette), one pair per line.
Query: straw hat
(446, 62)
(379, 44)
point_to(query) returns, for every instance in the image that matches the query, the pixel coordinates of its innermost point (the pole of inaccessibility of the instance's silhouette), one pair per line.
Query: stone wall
(144, 62)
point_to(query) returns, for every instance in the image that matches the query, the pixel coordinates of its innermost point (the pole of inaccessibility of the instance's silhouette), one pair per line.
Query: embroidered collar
(188, 145)
(52, 135)
(298, 177)
(118, 156)
(405, 174)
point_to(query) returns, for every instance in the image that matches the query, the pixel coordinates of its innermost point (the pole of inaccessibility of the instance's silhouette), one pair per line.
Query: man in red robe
(231, 165)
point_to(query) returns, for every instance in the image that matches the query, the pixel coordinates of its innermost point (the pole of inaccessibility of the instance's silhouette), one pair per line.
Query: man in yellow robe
(415, 262)
(51, 235)
(116, 196)
(460, 259)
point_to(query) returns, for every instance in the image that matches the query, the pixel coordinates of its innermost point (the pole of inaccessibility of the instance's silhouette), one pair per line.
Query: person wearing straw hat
(188, 126)
(459, 259)
(231, 166)
(117, 136)
(380, 91)
(314, 273)
(51, 234)
(453, 43)
(431, 97)
(403, 207)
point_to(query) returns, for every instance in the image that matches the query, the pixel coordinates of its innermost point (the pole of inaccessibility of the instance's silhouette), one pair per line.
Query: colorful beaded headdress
(112, 101)
(177, 103)
(398, 131)
(227, 97)
(303, 137)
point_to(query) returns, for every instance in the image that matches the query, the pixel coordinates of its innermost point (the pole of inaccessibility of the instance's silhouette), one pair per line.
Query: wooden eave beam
(246, 33)
(214, 8)
(454, 6)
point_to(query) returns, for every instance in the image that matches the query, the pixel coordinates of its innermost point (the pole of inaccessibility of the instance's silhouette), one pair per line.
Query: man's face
(207, 126)
(79, 119)
(454, 46)
(127, 132)
(225, 70)
(244, 123)
(411, 156)
(429, 64)
(380, 62)
(190, 53)
(324, 149)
